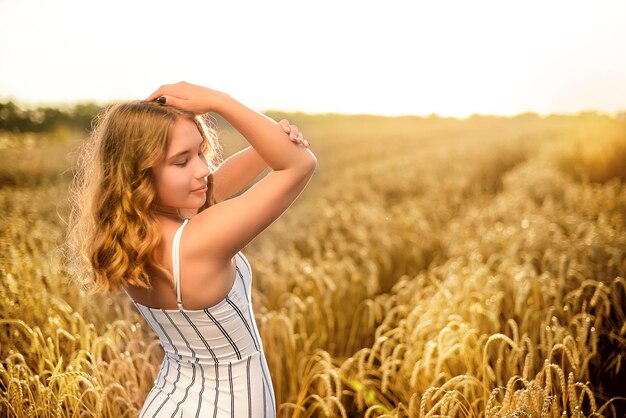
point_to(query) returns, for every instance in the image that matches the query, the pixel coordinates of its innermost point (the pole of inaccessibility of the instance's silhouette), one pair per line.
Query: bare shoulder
(206, 276)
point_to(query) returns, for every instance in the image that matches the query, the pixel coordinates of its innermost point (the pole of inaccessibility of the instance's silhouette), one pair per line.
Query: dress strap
(128, 294)
(176, 262)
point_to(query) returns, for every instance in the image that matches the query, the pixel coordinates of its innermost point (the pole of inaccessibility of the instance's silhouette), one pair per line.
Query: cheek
(170, 183)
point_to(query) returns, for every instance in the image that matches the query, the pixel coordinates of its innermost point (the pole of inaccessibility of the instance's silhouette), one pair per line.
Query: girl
(153, 214)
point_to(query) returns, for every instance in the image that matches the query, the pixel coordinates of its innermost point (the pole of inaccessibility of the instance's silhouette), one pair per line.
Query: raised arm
(223, 229)
(263, 133)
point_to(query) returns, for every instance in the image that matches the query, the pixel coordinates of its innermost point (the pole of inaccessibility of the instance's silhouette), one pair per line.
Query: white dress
(214, 364)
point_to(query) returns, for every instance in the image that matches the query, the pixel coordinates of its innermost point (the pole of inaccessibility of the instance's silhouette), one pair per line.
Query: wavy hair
(112, 231)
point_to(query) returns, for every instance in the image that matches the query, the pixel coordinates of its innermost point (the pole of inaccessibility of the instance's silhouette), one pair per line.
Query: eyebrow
(178, 155)
(181, 153)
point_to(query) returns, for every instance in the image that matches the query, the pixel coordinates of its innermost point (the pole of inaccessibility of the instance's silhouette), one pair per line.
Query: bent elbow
(313, 160)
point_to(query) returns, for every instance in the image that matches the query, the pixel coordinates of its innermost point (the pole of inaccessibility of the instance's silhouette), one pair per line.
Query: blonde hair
(112, 232)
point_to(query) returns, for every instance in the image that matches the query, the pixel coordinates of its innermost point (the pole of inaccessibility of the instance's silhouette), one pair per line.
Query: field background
(432, 267)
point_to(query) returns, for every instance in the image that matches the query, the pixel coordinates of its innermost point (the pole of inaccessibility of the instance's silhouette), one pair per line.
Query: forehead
(183, 134)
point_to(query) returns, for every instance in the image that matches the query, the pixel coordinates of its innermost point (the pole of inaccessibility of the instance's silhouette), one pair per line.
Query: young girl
(153, 214)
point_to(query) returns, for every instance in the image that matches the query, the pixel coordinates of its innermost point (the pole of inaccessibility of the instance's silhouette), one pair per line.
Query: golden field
(432, 267)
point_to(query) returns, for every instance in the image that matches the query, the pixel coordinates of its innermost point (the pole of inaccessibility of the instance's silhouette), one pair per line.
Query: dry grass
(432, 268)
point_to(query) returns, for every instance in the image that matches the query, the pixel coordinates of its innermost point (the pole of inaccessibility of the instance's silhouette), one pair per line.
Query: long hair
(112, 231)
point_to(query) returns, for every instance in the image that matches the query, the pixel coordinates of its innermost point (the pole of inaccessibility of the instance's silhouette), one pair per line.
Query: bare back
(204, 280)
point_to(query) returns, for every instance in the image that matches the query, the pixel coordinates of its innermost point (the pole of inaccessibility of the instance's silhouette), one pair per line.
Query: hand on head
(199, 100)
(187, 96)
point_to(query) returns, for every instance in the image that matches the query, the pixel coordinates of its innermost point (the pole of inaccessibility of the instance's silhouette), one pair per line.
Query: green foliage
(16, 119)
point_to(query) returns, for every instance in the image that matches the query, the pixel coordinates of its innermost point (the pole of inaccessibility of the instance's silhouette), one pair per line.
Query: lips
(200, 189)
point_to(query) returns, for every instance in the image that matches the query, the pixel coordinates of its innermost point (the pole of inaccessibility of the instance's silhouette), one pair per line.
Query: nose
(202, 169)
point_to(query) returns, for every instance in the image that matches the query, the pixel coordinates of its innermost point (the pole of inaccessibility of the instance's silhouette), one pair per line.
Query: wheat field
(433, 267)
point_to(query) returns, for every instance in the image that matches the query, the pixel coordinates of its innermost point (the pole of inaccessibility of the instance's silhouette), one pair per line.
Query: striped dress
(214, 364)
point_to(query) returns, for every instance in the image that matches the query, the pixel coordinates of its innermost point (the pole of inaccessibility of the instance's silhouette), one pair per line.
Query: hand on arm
(241, 168)
(294, 133)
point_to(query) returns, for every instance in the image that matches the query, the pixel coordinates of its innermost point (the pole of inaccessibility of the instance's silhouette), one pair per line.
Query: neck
(168, 211)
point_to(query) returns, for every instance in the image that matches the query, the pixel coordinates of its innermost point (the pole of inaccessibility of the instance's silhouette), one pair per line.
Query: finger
(158, 92)
(171, 101)
(302, 142)
(165, 89)
(295, 132)
(297, 141)
(284, 123)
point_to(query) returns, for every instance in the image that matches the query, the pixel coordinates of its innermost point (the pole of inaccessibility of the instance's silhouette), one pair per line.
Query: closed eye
(184, 163)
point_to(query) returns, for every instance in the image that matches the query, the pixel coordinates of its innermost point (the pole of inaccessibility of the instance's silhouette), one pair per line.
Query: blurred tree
(46, 119)
(12, 118)
(83, 115)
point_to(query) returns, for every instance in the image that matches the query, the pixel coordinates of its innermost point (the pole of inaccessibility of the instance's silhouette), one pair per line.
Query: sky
(451, 58)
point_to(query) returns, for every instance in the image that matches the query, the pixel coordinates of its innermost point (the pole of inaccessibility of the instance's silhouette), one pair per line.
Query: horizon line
(68, 104)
